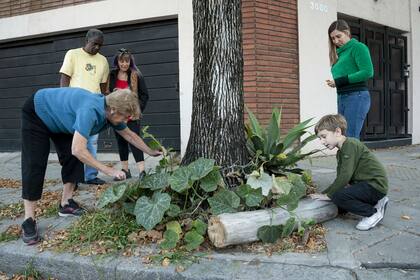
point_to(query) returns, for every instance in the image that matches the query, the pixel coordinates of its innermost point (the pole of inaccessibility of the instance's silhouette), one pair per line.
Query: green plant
(193, 191)
(273, 151)
(30, 272)
(9, 234)
(110, 228)
(192, 239)
(275, 179)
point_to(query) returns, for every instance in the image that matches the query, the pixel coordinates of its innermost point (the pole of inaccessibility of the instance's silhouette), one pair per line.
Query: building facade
(285, 48)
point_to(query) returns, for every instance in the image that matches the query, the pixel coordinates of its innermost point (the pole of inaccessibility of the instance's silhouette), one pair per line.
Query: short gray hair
(94, 33)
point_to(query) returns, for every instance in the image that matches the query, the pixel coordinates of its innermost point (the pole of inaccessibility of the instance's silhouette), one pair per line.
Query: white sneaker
(381, 205)
(369, 222)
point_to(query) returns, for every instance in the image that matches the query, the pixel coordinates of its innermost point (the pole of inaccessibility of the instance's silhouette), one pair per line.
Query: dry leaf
(405, 217)
(166, 262)
(179, 268)
(146, 260)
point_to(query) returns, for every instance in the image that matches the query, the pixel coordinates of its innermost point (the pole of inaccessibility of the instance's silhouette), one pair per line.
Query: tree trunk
(237, 228)
(217, 125)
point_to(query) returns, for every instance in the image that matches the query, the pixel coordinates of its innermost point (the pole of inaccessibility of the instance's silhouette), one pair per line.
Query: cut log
(237, 228)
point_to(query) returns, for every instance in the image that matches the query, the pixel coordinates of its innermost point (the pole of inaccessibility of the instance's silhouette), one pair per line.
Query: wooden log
(237, 228)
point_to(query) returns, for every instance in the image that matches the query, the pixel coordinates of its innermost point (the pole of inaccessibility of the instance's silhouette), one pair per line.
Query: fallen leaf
(179, 268)
(166, 262)
(405, 217)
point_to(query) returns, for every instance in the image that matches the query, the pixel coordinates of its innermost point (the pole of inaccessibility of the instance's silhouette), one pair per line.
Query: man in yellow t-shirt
(86, 68)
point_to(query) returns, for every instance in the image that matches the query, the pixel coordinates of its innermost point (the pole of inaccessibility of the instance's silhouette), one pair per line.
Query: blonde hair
(124, 101)
(340, 25)
(331, 123)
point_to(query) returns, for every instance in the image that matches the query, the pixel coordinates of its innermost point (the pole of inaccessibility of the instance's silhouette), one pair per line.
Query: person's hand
(117, 174)
(156, 153)
(319, 196)
(331, 83)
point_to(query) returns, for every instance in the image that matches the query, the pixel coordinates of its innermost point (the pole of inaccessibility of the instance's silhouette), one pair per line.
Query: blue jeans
(354, 106)
(92, 146)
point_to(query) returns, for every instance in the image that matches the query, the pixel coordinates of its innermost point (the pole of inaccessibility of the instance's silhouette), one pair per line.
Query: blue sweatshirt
(67, 109)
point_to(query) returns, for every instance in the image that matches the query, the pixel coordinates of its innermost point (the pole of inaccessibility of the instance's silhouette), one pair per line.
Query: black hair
(94, 33)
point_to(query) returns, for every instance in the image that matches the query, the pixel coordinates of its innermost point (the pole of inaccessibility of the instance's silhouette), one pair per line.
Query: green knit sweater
(353, 67)
(356, 163)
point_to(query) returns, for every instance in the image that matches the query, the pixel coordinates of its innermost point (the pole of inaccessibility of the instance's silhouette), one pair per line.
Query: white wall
(414, 61)
(394, 13)
(109, 13)
(316, 98)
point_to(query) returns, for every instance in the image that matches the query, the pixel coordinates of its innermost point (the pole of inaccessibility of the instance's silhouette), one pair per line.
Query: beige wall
(316, 98)
(105, 14)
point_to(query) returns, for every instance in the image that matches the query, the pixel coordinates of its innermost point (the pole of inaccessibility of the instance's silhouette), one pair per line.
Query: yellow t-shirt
(85, 70)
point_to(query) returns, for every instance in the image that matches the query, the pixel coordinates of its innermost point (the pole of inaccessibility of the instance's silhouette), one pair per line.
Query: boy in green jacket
(361, 184)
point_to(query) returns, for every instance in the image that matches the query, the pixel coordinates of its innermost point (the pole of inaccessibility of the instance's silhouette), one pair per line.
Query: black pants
(35, 151)
(358, 199)
(123, 144)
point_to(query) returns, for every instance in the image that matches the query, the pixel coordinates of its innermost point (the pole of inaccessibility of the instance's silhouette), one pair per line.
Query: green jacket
(356, 163)
(353, 67)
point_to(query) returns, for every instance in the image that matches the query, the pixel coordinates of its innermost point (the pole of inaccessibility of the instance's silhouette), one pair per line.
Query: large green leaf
(258, 143)
(149, 212)
(273, 131)
(155, 181)
(180, 179)
(199, 226)
(281, 185)
(299, 187)
(277, 149)
(193, 240)
(303, 143)
(170, 239)
(173, 210)
(153, 143)
(255, 126)
(269, 234)
(298, 190)
(261, 180)
(252, 197)
(224, 201)
(295, 133)
(250, 147)
(212, 180)
(288, 227)
(129, 207)
(175, 226)
(112, 194)
(200, 168)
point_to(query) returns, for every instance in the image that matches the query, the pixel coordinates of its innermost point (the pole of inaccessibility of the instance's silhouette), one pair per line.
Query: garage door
(27, 66)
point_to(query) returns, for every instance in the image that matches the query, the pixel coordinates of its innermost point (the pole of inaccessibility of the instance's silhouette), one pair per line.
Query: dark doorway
(387, 118)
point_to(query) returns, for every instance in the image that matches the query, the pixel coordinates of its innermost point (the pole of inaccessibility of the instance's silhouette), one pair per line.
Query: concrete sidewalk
(389, 251)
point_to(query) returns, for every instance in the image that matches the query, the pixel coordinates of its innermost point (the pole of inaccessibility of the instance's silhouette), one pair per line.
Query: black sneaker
(127, 175)
(30, 232)
(70, 209)
(96, 181)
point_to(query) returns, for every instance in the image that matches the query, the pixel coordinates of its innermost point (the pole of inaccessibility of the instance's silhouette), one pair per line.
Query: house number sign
(319, 7)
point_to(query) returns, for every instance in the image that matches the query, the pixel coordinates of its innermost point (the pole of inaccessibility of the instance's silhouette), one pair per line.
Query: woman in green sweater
(351, 67)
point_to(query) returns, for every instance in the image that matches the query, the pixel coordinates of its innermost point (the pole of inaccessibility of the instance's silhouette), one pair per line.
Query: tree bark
(237, 228)
(217, 126)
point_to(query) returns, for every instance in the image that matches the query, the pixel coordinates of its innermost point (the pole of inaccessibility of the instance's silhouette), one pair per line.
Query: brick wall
(270, 48)
(10, 8)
